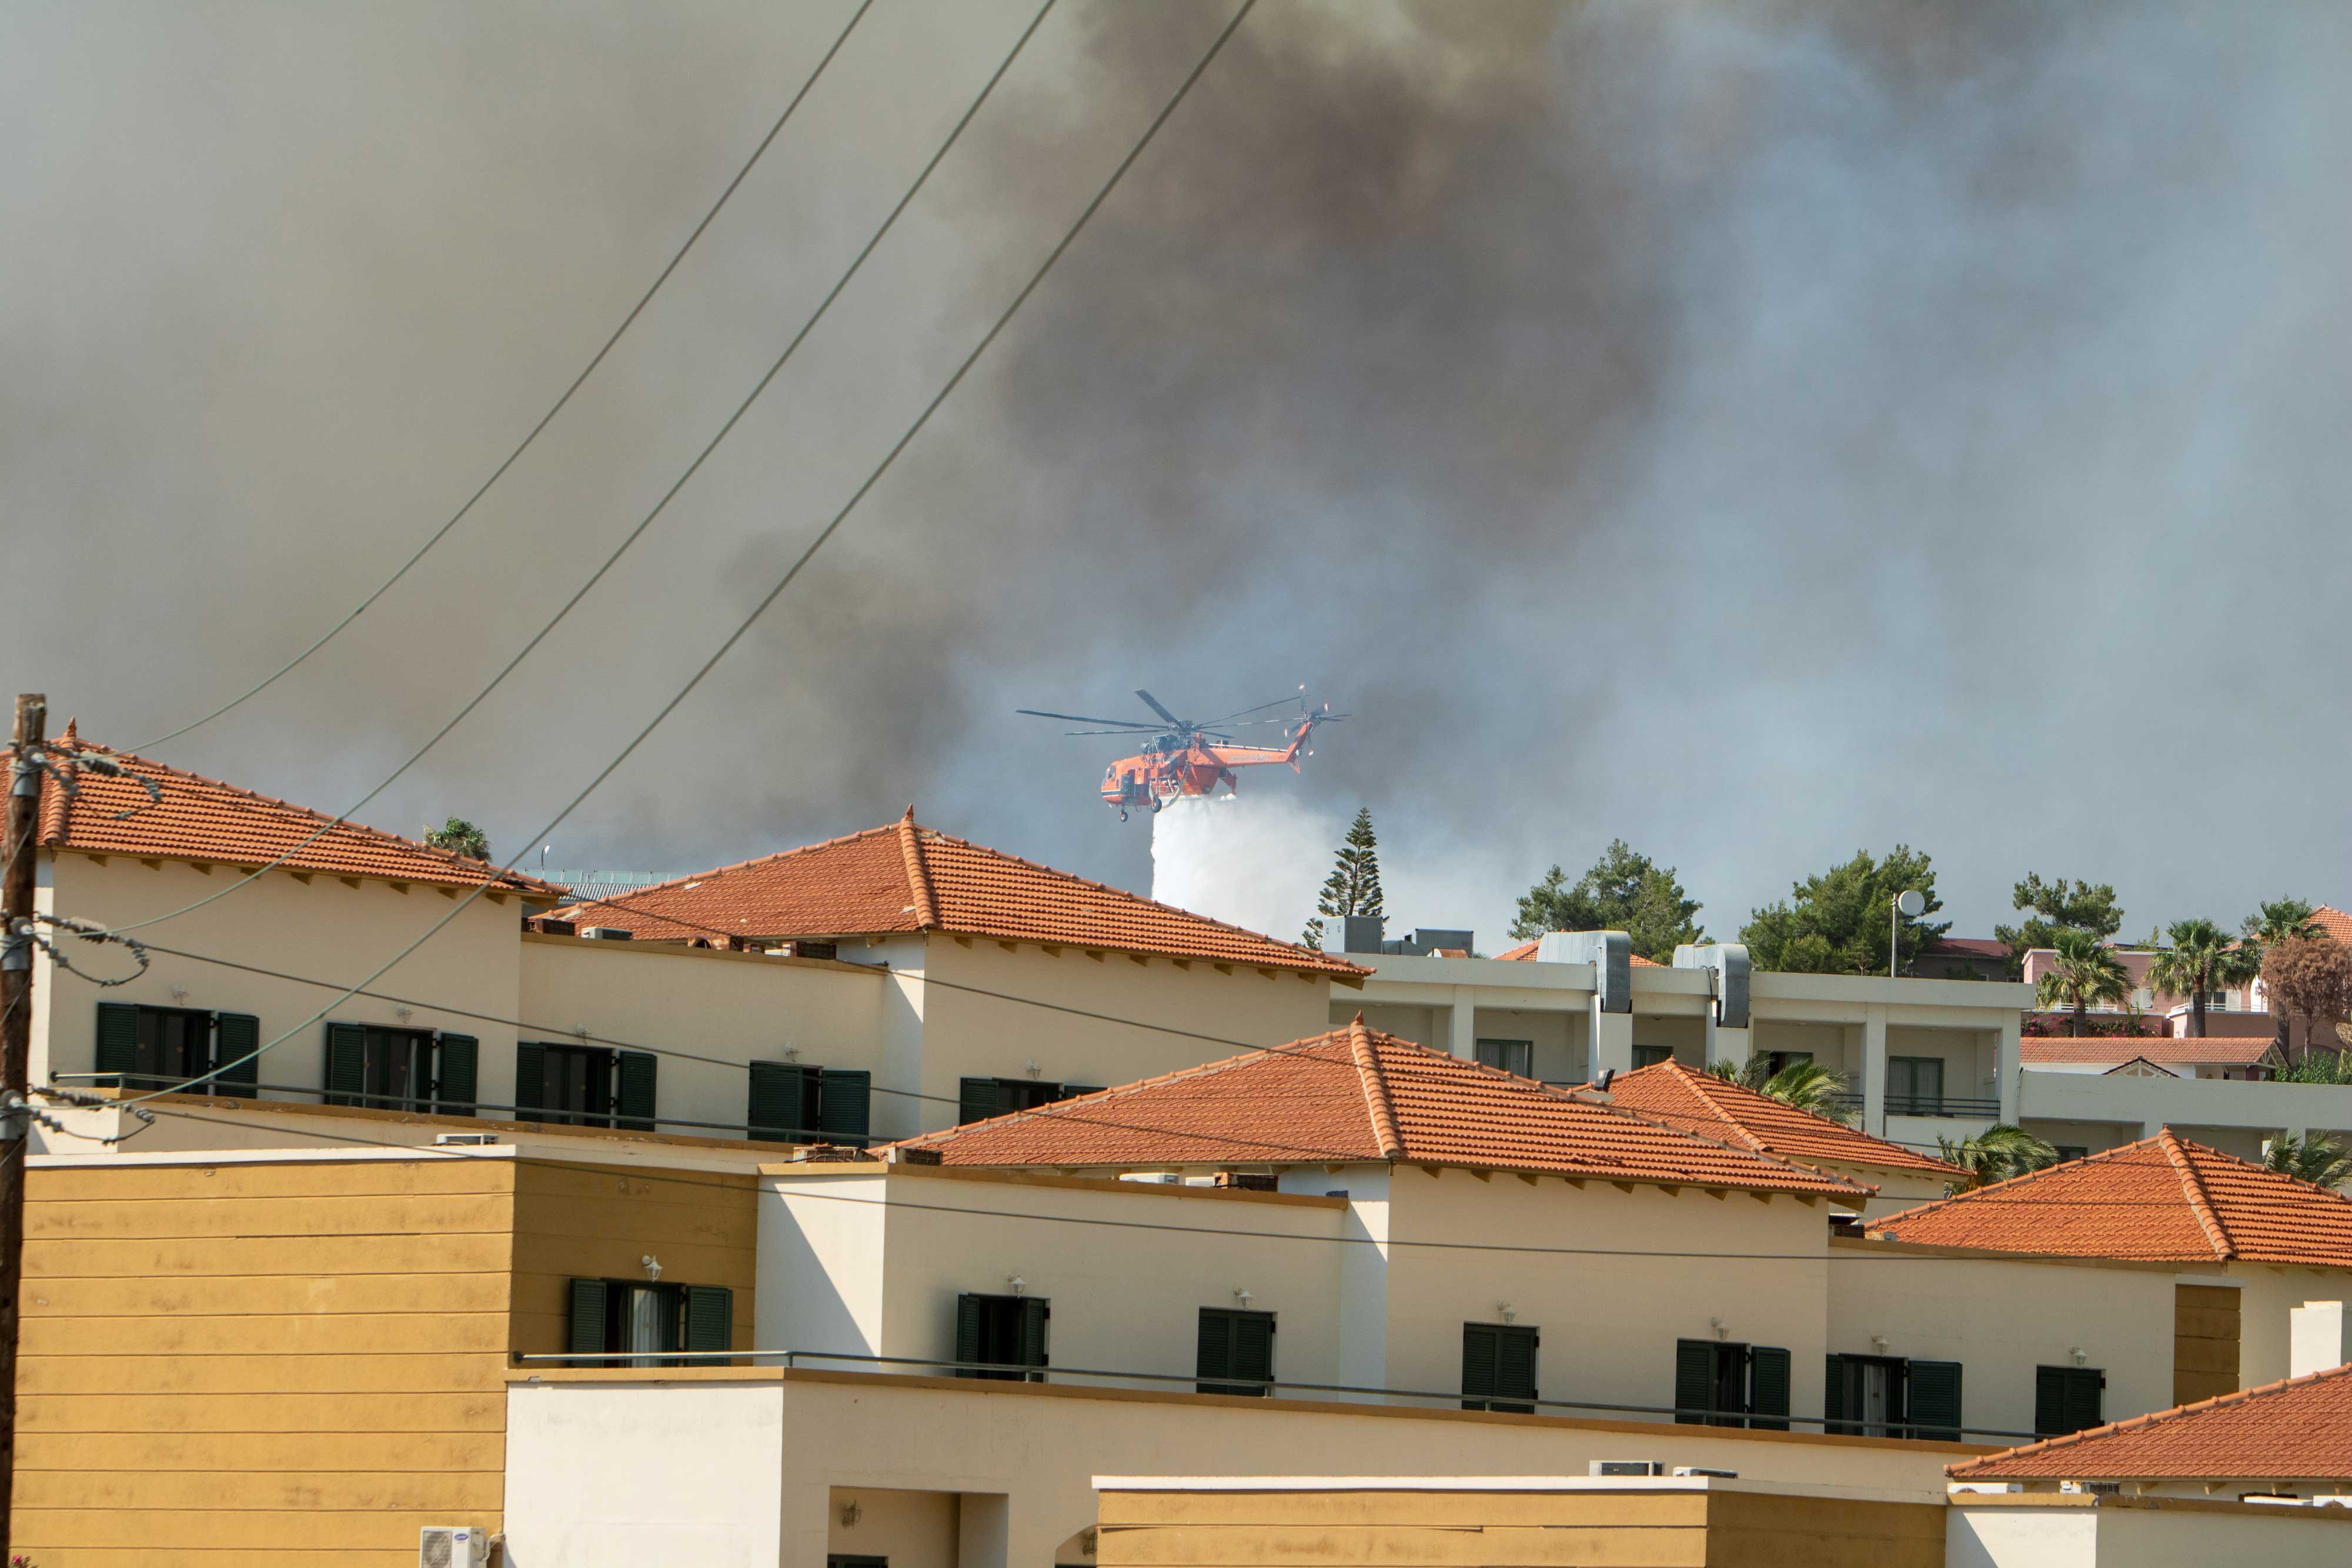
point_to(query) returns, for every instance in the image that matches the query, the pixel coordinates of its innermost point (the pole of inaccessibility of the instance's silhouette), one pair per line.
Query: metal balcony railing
(1927, 1105)
(1410, 1398)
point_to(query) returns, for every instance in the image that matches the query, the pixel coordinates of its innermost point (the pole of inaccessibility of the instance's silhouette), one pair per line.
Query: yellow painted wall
(303, 1360)
(1333, 1527)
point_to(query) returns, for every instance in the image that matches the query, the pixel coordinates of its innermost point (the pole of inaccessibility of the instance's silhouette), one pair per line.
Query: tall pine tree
(1354, 885)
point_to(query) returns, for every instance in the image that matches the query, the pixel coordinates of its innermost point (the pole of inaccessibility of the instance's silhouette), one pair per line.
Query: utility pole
(15, 1063)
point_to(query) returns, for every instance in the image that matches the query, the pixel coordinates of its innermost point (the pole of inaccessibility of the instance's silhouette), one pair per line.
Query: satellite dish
(1911, 903)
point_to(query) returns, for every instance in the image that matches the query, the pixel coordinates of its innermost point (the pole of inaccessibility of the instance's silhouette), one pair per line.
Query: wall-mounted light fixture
(1243, 1296)
(403, 1014)
(1015, 1283)
(1721, 1331)
(851, 1513)
(652, 1266)
(179, 993)
(1034, 1070)
(792, 1053)
(1503, 1310)
(2080, 1354)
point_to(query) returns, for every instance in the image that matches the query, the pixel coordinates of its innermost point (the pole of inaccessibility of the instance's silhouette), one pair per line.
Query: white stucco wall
(322, 929)
(579, 1485)
(2001, 1319)
(2110, 1532)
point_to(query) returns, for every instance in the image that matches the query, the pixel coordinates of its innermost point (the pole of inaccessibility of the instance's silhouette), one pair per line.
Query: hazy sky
(1757, 431)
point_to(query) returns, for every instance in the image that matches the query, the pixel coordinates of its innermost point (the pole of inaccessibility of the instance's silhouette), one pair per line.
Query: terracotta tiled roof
(2298, 1429)
(2227, 1051)
(1975, 947)
(1714, 1108)
(908, 877)
(2334, 921)
(1356, 1094)
(2163, 1199)
(203, 819)
(1526, 951)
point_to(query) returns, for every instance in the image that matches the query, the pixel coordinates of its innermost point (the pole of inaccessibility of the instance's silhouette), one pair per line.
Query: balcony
(1949, 1105)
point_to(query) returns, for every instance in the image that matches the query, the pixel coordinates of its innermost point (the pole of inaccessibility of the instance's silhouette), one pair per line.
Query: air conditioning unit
(452, 1546)
(1628, 1467)
(1702, 1470)
(607, 932)
(462, 1140)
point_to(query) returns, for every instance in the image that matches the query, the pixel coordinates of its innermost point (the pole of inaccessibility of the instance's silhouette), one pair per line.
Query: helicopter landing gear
(1122, 814)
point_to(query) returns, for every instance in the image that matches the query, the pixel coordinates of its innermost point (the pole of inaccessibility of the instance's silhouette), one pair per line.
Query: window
(1511, 1055)
(1778, 1061)
(837, 1559)
(1723, 1384)
(2066, 1399)
(651, 1322)
(585, 1086)
(1651, 1055)
(1915, 1085)
(1889, 1396)
(797, 1104)
(155, 1048)
(1499, 1367)
(1004, 1330)
(978, 1099)
(1235, 1344)
(2070, 1151)
(401, 1069)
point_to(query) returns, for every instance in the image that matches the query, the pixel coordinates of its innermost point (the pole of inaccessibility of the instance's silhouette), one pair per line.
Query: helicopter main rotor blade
(1153, 703)
(1130, 733)
(1082, 718)
(1242, 711)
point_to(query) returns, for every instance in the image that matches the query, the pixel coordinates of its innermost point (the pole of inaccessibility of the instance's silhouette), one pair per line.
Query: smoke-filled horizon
(1758, 432)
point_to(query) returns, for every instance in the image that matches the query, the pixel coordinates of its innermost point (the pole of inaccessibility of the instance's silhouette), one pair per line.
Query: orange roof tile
(2296, 1429)
(2225, 1051)
(201, 819)
(1357, 1095)
(2163, 1199)
(1526, 951)
(1715, 1108)
(908, 877)
(2334, 921)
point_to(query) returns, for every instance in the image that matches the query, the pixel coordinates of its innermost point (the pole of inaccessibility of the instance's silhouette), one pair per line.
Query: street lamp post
(1906, 904)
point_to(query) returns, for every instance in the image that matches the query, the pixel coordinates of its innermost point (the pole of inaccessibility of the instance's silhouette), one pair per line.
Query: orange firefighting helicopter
(1185, 758)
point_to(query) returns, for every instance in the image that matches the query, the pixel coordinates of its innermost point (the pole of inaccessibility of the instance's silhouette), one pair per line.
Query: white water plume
(1254, 861)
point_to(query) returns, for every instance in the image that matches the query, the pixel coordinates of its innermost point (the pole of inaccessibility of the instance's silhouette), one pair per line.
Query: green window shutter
(1833, 1395)
(709, 1313)
(845, 1102)
(236, 1035)
(2050, 1401)
(1694, 1380)
(2083, 1385)
(1254, 1351)
(1213, 1355)
(975, 1100)
(530, 1080)
(967, 1332)
(586, 1333)
(634, 1095)
(346, 1064)
(118, 1037)
(1480, 1350)
(1035, 1310)
(1515, 1368)
(1768, 1388)
(1934, 1400)
(1071, 1091)
(457, 1074)
(778, 1112)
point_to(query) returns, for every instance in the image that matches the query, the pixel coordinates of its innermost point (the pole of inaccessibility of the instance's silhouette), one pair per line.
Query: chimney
(2319, 1338)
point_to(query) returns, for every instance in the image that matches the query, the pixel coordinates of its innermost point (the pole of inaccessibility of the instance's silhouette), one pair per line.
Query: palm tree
(2202, 959)
(2277, 921)
(2315, 1157)
(1806, 1086)
(2002, 1151)
(2087, 972)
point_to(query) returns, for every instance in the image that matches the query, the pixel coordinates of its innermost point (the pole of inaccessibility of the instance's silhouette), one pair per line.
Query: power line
(546, 419)
(635, 533)
(794, 571)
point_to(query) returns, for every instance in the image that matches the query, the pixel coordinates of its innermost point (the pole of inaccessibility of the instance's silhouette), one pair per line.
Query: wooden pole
(15, 1065)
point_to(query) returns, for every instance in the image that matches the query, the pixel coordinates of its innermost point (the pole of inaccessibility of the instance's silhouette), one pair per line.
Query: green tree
(1807, 1085)
(2280, 920)
(2202, 959)
(2002, 1151)
(459, 837)
(2058, 906)
(1834, 922)
(1625, 891)
(1354, 885)
(2316, 1158)
(2087, 972)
